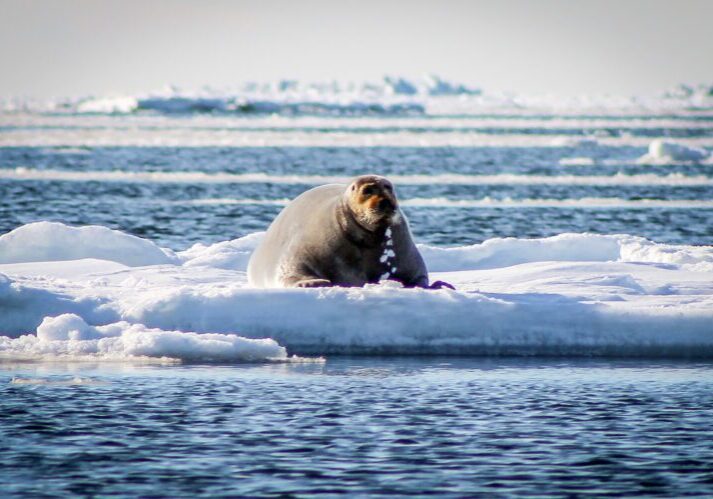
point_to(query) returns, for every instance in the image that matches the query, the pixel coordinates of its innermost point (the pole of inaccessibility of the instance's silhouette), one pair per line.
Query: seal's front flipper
(441, 285)
(312, 283)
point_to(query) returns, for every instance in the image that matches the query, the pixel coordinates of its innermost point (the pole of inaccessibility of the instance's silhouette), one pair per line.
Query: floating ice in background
(573, 294)
(438, 87)
(393, 95)
(575, 142)
(684, 91)
(489, 202)
(661, 151)
(107, 105)
(577, 161)
(198, 177)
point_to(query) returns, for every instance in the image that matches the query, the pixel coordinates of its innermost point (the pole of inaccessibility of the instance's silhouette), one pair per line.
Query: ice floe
(662, 151)
(577, 161)
(572, 294)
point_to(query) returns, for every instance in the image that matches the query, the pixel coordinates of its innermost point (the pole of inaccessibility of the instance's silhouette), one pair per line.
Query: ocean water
(358, 426)
(462, 180)
(376, 426)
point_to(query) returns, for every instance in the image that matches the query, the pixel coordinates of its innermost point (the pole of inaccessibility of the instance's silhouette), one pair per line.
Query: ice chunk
(577, 161)
(661, 151)
(400, 86)
(66, 327)
(233, 254)
(108, 105)
(68, 335)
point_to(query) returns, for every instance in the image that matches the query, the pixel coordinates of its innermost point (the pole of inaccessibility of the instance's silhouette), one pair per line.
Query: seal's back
(301, 224)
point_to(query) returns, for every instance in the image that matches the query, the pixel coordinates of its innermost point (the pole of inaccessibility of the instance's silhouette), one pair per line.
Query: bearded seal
(337, 235)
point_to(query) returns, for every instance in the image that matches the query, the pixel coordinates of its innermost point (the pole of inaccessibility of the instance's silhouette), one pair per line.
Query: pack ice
(93, 292)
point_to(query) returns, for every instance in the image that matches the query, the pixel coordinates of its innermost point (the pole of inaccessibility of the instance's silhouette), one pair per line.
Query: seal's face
(372, 201)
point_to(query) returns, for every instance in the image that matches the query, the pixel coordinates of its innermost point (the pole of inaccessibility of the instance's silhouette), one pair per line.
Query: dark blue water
(455, 427)
(165, 211)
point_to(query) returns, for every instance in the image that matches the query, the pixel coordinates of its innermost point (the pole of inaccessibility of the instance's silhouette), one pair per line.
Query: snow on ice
(120, 296)
(68, 335)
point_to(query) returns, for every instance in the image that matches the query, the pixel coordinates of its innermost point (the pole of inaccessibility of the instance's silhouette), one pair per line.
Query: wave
(565, 130)
(487, 202)
(672, 179)
(128, 134)
(594, 127)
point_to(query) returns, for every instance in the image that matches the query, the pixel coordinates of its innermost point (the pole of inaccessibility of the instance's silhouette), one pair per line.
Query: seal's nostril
(385, 204)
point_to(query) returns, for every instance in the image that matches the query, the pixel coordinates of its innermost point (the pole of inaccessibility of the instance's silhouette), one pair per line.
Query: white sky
(77, 47)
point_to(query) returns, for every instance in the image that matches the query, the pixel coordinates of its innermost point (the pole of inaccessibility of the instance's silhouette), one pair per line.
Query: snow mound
(53, 241)
(505, 252)
(493, 253)
(68, 335)
(661, 151)
(233, 254)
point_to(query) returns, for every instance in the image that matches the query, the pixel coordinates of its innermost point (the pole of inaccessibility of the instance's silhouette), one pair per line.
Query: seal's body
(337, 235)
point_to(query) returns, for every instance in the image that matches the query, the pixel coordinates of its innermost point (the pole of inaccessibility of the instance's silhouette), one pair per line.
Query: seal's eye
(388, 187)
(368, 190)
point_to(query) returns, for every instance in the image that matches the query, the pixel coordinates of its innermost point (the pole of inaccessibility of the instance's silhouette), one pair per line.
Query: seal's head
(372, 201)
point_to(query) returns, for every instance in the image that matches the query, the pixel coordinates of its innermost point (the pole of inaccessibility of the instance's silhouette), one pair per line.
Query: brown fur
(365, 205)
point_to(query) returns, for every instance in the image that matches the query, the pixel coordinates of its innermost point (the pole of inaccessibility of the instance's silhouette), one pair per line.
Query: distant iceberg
(684, 91)
(391, 96)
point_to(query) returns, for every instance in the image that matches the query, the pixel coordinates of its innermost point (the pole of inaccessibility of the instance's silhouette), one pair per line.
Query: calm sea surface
(410, 426)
